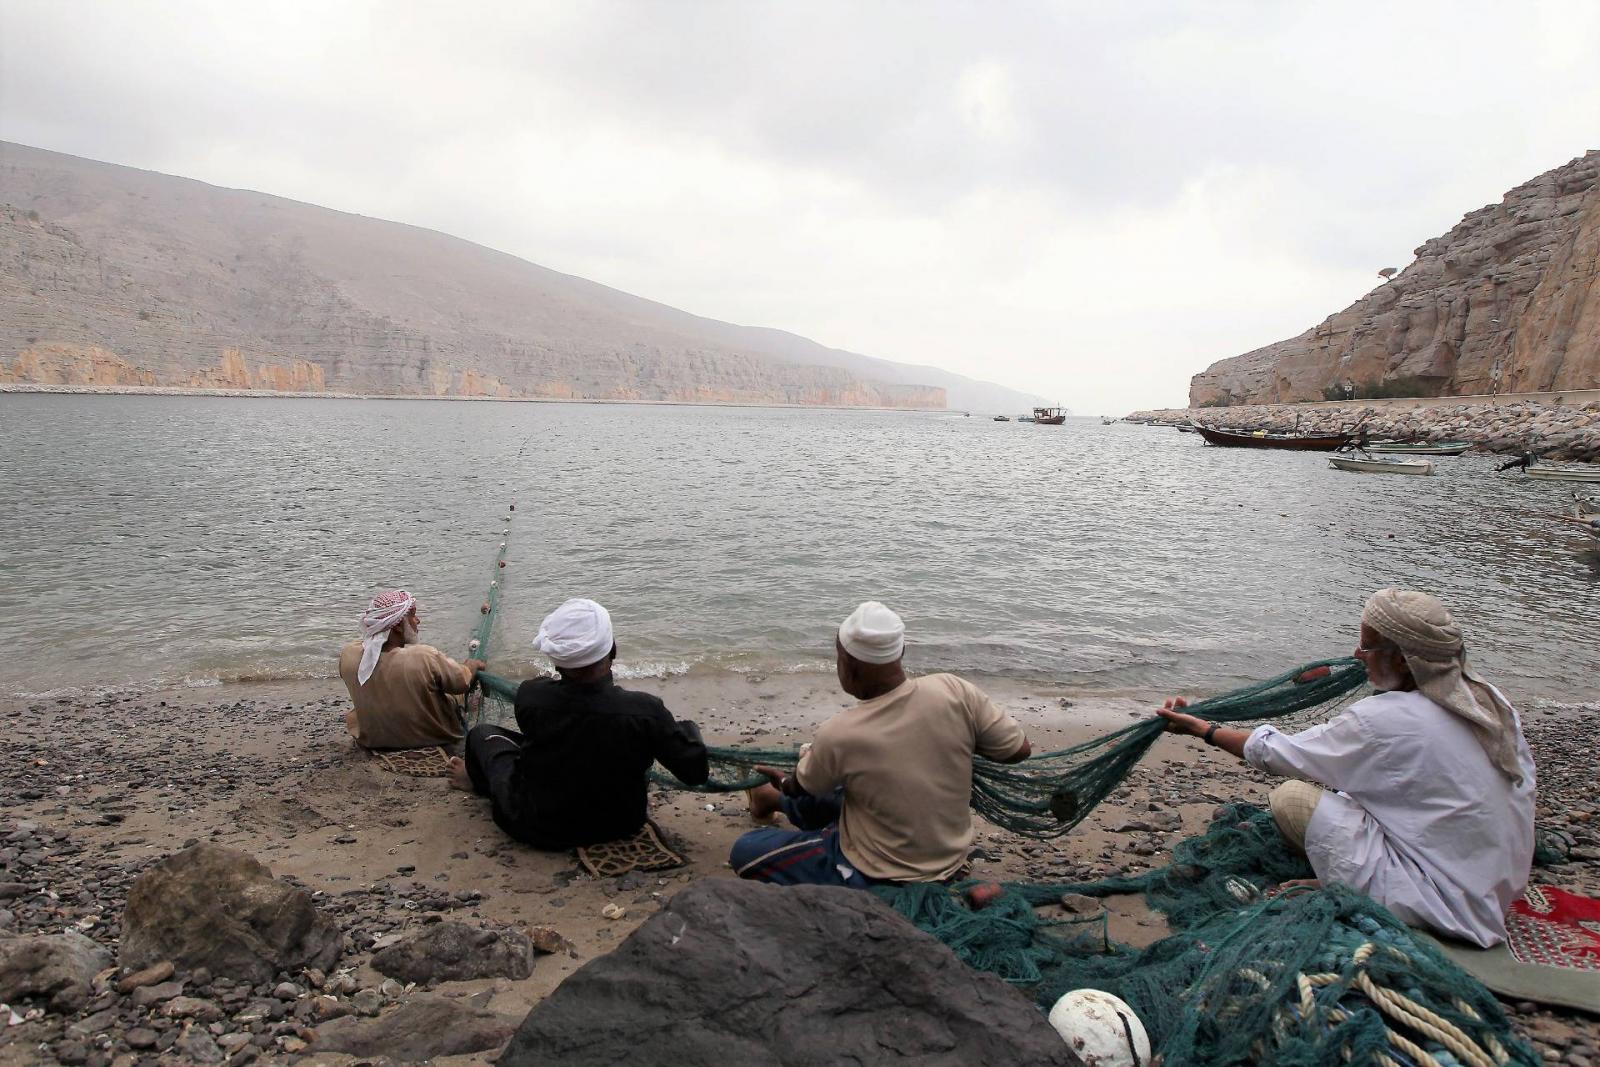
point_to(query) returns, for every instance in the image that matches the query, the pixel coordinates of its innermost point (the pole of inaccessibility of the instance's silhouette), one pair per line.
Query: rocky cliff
(1507, 301)
(112, 276)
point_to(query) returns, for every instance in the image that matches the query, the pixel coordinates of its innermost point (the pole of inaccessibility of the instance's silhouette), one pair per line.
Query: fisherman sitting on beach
(1428, 805)
(574, 773)
(884, 793)
(401, 689)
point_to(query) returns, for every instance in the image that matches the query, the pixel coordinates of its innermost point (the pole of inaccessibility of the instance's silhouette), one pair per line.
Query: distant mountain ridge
(1507, 301)
(115, 276)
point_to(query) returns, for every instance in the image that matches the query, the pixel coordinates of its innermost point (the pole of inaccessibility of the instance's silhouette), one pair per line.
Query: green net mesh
(1051, 792)
(1313, 977)
(1319, 978)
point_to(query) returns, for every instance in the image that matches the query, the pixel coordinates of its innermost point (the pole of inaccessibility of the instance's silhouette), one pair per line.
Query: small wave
(651, 669)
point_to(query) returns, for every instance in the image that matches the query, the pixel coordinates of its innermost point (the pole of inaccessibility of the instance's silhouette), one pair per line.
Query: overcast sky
(1089, 201)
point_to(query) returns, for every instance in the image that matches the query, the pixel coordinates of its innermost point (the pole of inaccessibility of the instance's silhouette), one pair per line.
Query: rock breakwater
(1554, 431)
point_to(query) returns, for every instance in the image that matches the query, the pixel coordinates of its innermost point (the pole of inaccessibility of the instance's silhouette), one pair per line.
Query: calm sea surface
(154, 540)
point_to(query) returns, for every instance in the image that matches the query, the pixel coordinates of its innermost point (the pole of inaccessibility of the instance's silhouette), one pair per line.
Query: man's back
(1429, 828)
(580, 778)
(905, 762)
(406, 702)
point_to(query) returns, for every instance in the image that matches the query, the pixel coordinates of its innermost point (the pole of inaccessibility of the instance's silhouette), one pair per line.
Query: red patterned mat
(1554, 928)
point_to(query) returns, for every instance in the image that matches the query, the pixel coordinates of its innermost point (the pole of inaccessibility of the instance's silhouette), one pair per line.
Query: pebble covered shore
(99, 791)
(1556, 432)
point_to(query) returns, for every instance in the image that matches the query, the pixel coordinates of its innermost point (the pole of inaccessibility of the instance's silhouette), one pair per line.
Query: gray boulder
(212, 907)
(420, 1029)
(739, 972)
(454, 952)
(56, 968)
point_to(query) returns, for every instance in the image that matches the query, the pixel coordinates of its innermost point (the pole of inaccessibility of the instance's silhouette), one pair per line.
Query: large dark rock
(453, 952)
(420, 1029)
(212, 907)
(739, 972)
(57, 968)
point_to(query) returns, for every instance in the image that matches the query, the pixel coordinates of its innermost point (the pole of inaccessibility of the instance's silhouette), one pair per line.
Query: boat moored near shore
(1537, 469)
(1262, 439)
(1419, 448)
(1374, 465)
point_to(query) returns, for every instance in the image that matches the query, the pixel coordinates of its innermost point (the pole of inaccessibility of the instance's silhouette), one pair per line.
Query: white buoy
(1101, 1029)
(473, 647)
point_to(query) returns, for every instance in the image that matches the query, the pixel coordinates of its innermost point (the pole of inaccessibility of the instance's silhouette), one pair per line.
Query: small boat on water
(1374, 465)
(1002, 418)
(1185, 428)
(1585, 514)
(1262, 439)
(1419, 448)
(1554, 472)
(1049, 416)
(1024, 418)
(1107, 422)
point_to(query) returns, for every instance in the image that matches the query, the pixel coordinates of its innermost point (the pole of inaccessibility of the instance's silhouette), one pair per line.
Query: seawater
(148, 540)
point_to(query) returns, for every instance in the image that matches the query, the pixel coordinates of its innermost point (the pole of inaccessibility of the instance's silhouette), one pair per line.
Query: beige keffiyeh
(1431, 642)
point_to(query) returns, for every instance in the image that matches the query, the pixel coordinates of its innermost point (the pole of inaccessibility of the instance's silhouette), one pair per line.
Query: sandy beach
(101, 789)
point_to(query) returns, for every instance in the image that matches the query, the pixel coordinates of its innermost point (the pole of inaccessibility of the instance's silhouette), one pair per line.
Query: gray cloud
(1087, 200)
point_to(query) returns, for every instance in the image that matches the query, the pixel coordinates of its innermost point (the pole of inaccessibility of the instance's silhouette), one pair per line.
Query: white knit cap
(576, 634)
(873, 634)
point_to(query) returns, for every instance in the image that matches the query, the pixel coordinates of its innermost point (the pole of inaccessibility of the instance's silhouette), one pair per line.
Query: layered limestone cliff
(1507, 301)
(116, 277)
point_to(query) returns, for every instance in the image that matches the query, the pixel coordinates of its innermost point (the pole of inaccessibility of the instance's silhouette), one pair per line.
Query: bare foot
(764, 802)
(457, 775)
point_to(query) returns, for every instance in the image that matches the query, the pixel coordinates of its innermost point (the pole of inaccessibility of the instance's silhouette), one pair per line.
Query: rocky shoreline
(1554, 431)
(423, 933)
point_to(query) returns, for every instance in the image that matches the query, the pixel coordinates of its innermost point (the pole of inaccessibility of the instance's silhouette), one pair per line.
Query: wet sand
(96, 790)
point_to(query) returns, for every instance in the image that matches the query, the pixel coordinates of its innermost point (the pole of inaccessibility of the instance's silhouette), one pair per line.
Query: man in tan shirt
(884, 793)
(401, 690)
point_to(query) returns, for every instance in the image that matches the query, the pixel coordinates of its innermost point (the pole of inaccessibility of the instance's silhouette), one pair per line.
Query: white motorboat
(1558, 472)
(1585, 514)
(1374, 465)
(1553, 472)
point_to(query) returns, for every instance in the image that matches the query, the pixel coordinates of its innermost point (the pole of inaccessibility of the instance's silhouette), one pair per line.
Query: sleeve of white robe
(1327, 755)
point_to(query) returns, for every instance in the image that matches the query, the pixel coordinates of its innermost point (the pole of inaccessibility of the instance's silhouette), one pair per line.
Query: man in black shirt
(574, 772)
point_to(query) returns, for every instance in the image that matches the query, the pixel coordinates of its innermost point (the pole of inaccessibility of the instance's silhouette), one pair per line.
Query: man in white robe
(1420, 796)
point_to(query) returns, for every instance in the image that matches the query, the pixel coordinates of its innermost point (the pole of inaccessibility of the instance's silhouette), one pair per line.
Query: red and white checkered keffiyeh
(384, 613)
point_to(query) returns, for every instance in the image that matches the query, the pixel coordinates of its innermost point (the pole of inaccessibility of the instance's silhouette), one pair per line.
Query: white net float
(1101, 1029)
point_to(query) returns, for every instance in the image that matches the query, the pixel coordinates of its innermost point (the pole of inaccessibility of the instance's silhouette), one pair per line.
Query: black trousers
(491, 758)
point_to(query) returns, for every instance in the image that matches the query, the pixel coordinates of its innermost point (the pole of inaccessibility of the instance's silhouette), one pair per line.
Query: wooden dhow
(1261, 439)
(1049, 416)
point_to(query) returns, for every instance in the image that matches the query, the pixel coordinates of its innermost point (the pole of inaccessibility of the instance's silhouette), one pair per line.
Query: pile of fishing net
(1049, 793)
(1310, 977)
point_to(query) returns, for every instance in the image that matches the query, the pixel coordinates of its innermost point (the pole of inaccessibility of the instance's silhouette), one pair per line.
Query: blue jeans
(808, 855)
